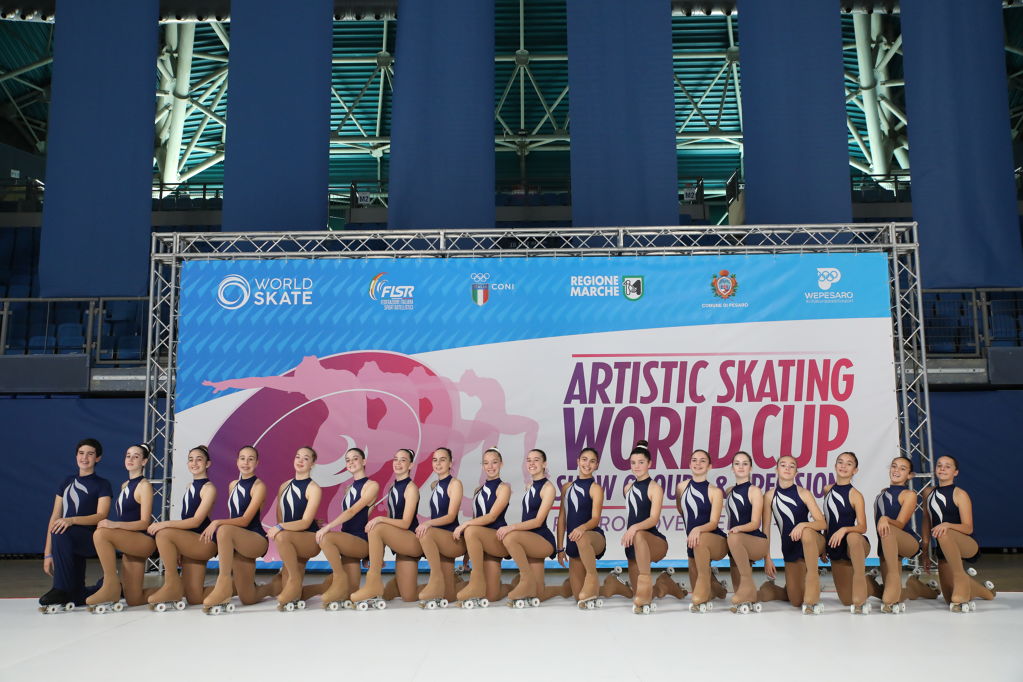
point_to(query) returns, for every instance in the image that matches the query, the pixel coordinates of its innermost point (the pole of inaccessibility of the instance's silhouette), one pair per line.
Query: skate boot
(812, 609)
(616, 583)
(641, 604)
(56, 601)
(170, 596)
(431, 597)
(589, 594)
(337, 596)
(916, 589)
(665, 586)
(219, 600)
(106, 598)
(290, 598)
(523, 595)
(371, 595)
(474, 593)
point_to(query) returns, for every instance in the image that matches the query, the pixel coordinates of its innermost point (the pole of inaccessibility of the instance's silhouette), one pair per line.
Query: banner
(772, 354)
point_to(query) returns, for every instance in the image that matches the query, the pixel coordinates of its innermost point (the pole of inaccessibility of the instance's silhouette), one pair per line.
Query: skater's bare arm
(860, 526)
(965, 526)
(597, 496)
(144, 496)
(547, 494)
(500, 504)
(56, 513)
(368, 496)
(313, 495)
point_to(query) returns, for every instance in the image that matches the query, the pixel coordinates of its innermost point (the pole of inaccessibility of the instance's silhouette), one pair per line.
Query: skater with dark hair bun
(644, 543)
(700, 503)
(295, 533)
(893, 512)
(490, 502)
(530, 541)
(847, 545)
(436, 536)
(582, 503)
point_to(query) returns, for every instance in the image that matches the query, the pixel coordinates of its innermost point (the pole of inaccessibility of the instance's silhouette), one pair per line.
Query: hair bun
(642, 444)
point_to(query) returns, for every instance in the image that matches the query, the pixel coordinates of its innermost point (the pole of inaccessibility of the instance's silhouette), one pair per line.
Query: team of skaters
(90, 520)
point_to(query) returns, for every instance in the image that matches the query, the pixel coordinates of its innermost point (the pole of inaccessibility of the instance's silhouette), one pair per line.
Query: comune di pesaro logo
(235, 291)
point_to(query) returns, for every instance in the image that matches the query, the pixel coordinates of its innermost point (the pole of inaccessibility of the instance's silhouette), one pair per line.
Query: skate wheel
(333, 606)
(918, 571)
(180, 604)
(599, 603)
(646, 609)
(484, 603)
(229, 608)
(300, 605)
(535, 601)
(362, 606)
(973, 606)
(853, 609)
(118, 607)
(347, 603)
(670, 570)
(520, 603)
(443, 603)
(933, 584)
(160, 608)
(215, 610)
(988, 584)
(972, 571)
(468, 604)
(743, 608)
(381, 605)
(102, 608)
(69, 606)
(757, 608)
(290, 606)
(431, 605)
(617, 570)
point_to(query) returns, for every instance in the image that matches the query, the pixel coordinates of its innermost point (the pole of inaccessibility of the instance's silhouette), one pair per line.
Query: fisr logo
(379, 289)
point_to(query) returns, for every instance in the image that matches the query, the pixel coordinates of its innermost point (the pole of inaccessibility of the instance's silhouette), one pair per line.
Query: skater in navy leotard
(344, 550)
(440, 547)
(81, 502)
(530, 541)
(800, 523)
(847, 546)
(893, 512)
(181, 540)
(397, 531)
(125, 531)
(948, 523)
(699, 503)
(490, 502)
(240, 539)
(643, 542)
(582, 504)
(744, 503)
(295, 532)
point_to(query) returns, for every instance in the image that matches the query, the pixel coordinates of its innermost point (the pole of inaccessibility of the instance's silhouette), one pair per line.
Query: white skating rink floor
(554, 641)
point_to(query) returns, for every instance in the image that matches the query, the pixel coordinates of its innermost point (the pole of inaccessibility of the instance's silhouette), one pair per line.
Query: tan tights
(897, 544)
(582, 572)
(246, 546)
(528, 550)
(295, 548)
(407, 551)
(710, 548)
(136, 548)
(956, 585)
(649, 548)
(184, 546)
(744, 550)
(851, 574)
(441, 549)
(802, 584)
(344, 552)
(485, 553)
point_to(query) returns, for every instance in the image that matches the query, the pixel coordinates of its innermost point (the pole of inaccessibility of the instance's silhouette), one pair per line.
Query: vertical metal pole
(868, 90)
(179, 107)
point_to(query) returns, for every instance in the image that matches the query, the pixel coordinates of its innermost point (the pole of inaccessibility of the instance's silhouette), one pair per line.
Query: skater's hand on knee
(457, 532)
(61, 525)
(836, 539)
(939, 530)
(693, 540)
(423, 528)
(207, 535)
(576, 535)
(797, 532)
(629, 537)
(882, 527)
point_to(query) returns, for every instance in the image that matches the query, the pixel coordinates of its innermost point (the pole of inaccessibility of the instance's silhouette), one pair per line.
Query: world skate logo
(391, 296)
(233, 292)
(828, 276)
(724, 284)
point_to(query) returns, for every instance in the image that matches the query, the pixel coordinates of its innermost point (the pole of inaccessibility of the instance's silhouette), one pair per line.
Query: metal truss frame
(897, 240)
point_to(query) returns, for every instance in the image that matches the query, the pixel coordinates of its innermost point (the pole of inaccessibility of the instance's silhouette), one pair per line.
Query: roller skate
(218, 601)
(524, 595)
(898, 607)
(665, 585)
(106, 599)
(336, 597)
(642, 605)
(431, 597)
(747, 607)
(290, 598)
(293, 605)
(170, 596)
(917, 589)
(589, 596)
(812, 609)
(616, 584)
(473, 594)
(370, 596)
(990, 586)
(859, 609)
(962, 607)
(56, 601)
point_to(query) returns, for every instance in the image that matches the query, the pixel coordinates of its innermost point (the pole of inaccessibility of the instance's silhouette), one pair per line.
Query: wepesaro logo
(826, 279)
(633, 287)
(234, 291)
(391, 296)
(724, 284)
(828, 276)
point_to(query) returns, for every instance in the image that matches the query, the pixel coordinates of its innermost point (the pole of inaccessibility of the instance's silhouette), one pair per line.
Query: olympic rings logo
(828, 276)
(233, 292)
(480, 277)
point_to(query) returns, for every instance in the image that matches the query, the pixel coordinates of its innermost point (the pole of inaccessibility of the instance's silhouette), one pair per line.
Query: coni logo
(233, 292)
(828, 276)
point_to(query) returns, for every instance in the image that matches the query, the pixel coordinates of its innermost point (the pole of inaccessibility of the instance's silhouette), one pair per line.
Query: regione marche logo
(233, 292)
(828, 276)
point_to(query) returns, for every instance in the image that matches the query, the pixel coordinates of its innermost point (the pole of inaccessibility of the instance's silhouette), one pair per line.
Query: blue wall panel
(276, 161)
(793, 104)
(960, 148)
(442, 123)
(40, 443)
(99, 166)
(621, 103)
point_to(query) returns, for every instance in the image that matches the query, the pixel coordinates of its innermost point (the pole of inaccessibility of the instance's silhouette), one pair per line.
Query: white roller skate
(107, 607)
(377, 603)
(433, 604)
(747, 607)
(297, 605)
(528, 602)
(962, 607)
(861, 609)
(644, 610)
(480, 603)
(812, 609)
(57, 608)
(218, 609)
(162, 606)
(896, 608)
(337, 605)
(590, 603)
(705, 607)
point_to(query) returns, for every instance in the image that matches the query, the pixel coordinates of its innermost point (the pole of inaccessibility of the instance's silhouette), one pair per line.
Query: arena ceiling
(531, 126)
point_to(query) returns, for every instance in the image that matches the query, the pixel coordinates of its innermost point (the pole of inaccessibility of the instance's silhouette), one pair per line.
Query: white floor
(554, 641)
